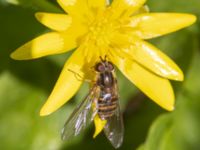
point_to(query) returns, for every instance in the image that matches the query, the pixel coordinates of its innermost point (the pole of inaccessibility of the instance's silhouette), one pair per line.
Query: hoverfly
(104, 94)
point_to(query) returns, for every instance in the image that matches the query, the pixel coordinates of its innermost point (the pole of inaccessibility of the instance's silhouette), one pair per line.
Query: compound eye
(100, 67)
(110, 66)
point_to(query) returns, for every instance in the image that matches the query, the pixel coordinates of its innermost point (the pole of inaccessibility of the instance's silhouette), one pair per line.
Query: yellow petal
(127, 7)
(153, 59)
(96, 4)
(156, 88)
(78, 8)
(58, 22)
(144, 9)
(99, 125)
(67, 84)
(150, 25)
(46, 44)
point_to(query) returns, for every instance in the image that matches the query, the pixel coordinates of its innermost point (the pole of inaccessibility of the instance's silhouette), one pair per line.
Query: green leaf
(183, 6)
(180, 130)
(39, 5)
(24, 87)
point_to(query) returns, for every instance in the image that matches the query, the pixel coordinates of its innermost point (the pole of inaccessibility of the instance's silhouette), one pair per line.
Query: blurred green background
(25, 85)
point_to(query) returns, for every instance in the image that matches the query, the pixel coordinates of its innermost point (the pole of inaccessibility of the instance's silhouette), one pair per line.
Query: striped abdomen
(107, 104)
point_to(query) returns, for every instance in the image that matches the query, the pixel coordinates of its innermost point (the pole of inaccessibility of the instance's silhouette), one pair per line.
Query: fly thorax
(106, 80)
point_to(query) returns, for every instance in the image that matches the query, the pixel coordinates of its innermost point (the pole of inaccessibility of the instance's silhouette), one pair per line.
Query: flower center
(102, 29)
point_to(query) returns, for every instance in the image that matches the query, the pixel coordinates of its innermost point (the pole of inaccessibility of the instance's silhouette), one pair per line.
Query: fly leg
(80, 78)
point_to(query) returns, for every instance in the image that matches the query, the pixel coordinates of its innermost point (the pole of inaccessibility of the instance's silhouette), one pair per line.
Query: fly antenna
(103, 59)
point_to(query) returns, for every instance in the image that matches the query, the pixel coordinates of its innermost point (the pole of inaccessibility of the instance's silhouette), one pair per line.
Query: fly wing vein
(81, 116)
(114, 129)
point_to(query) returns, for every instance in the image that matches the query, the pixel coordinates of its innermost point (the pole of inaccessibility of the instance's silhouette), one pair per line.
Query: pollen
(102, 29)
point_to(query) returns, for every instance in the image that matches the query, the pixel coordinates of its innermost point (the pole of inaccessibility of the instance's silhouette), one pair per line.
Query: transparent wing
(81, 116)
(114, 129)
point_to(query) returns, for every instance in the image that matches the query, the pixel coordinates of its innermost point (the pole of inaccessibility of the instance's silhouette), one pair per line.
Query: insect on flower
(102, 100)
(117, 29)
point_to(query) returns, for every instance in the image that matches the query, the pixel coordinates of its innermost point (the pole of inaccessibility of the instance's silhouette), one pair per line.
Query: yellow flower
(118, 30)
